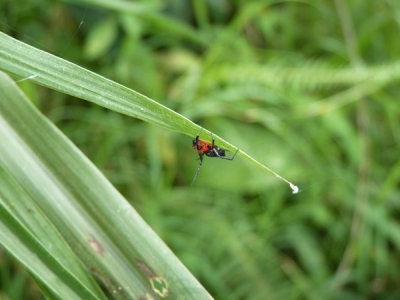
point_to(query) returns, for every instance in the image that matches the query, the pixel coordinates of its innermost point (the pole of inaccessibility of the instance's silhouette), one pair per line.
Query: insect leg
(224, 157)
(198, 168)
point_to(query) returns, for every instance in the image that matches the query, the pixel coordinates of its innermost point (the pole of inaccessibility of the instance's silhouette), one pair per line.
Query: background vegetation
(307, 87)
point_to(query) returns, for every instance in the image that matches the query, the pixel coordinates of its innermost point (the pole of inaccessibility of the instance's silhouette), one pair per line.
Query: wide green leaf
(50, 187)
(46, 255)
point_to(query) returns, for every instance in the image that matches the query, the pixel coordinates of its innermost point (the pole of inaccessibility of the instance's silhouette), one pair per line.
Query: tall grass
(309, 87)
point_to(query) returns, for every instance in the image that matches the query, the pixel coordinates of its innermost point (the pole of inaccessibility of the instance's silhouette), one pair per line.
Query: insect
(208, 149)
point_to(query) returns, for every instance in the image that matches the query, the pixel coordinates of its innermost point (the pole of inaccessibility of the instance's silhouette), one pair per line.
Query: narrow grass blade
(56, 73)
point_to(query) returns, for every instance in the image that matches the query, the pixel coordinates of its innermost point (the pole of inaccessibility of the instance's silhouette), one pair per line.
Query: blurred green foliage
(307, 87)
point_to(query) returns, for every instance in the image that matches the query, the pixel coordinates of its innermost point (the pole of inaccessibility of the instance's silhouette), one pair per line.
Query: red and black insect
(210, 150)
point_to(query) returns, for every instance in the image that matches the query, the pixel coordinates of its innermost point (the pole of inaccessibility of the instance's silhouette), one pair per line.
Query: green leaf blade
(111, 239)
(26, 231)
(56, 73)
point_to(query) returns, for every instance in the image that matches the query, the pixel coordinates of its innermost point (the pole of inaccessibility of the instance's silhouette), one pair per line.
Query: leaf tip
(295, 188)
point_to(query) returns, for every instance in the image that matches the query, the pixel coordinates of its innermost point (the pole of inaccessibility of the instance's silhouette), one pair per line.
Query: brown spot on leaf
(96, 246)
(159, 286)
(101, 277)
(145, 269)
